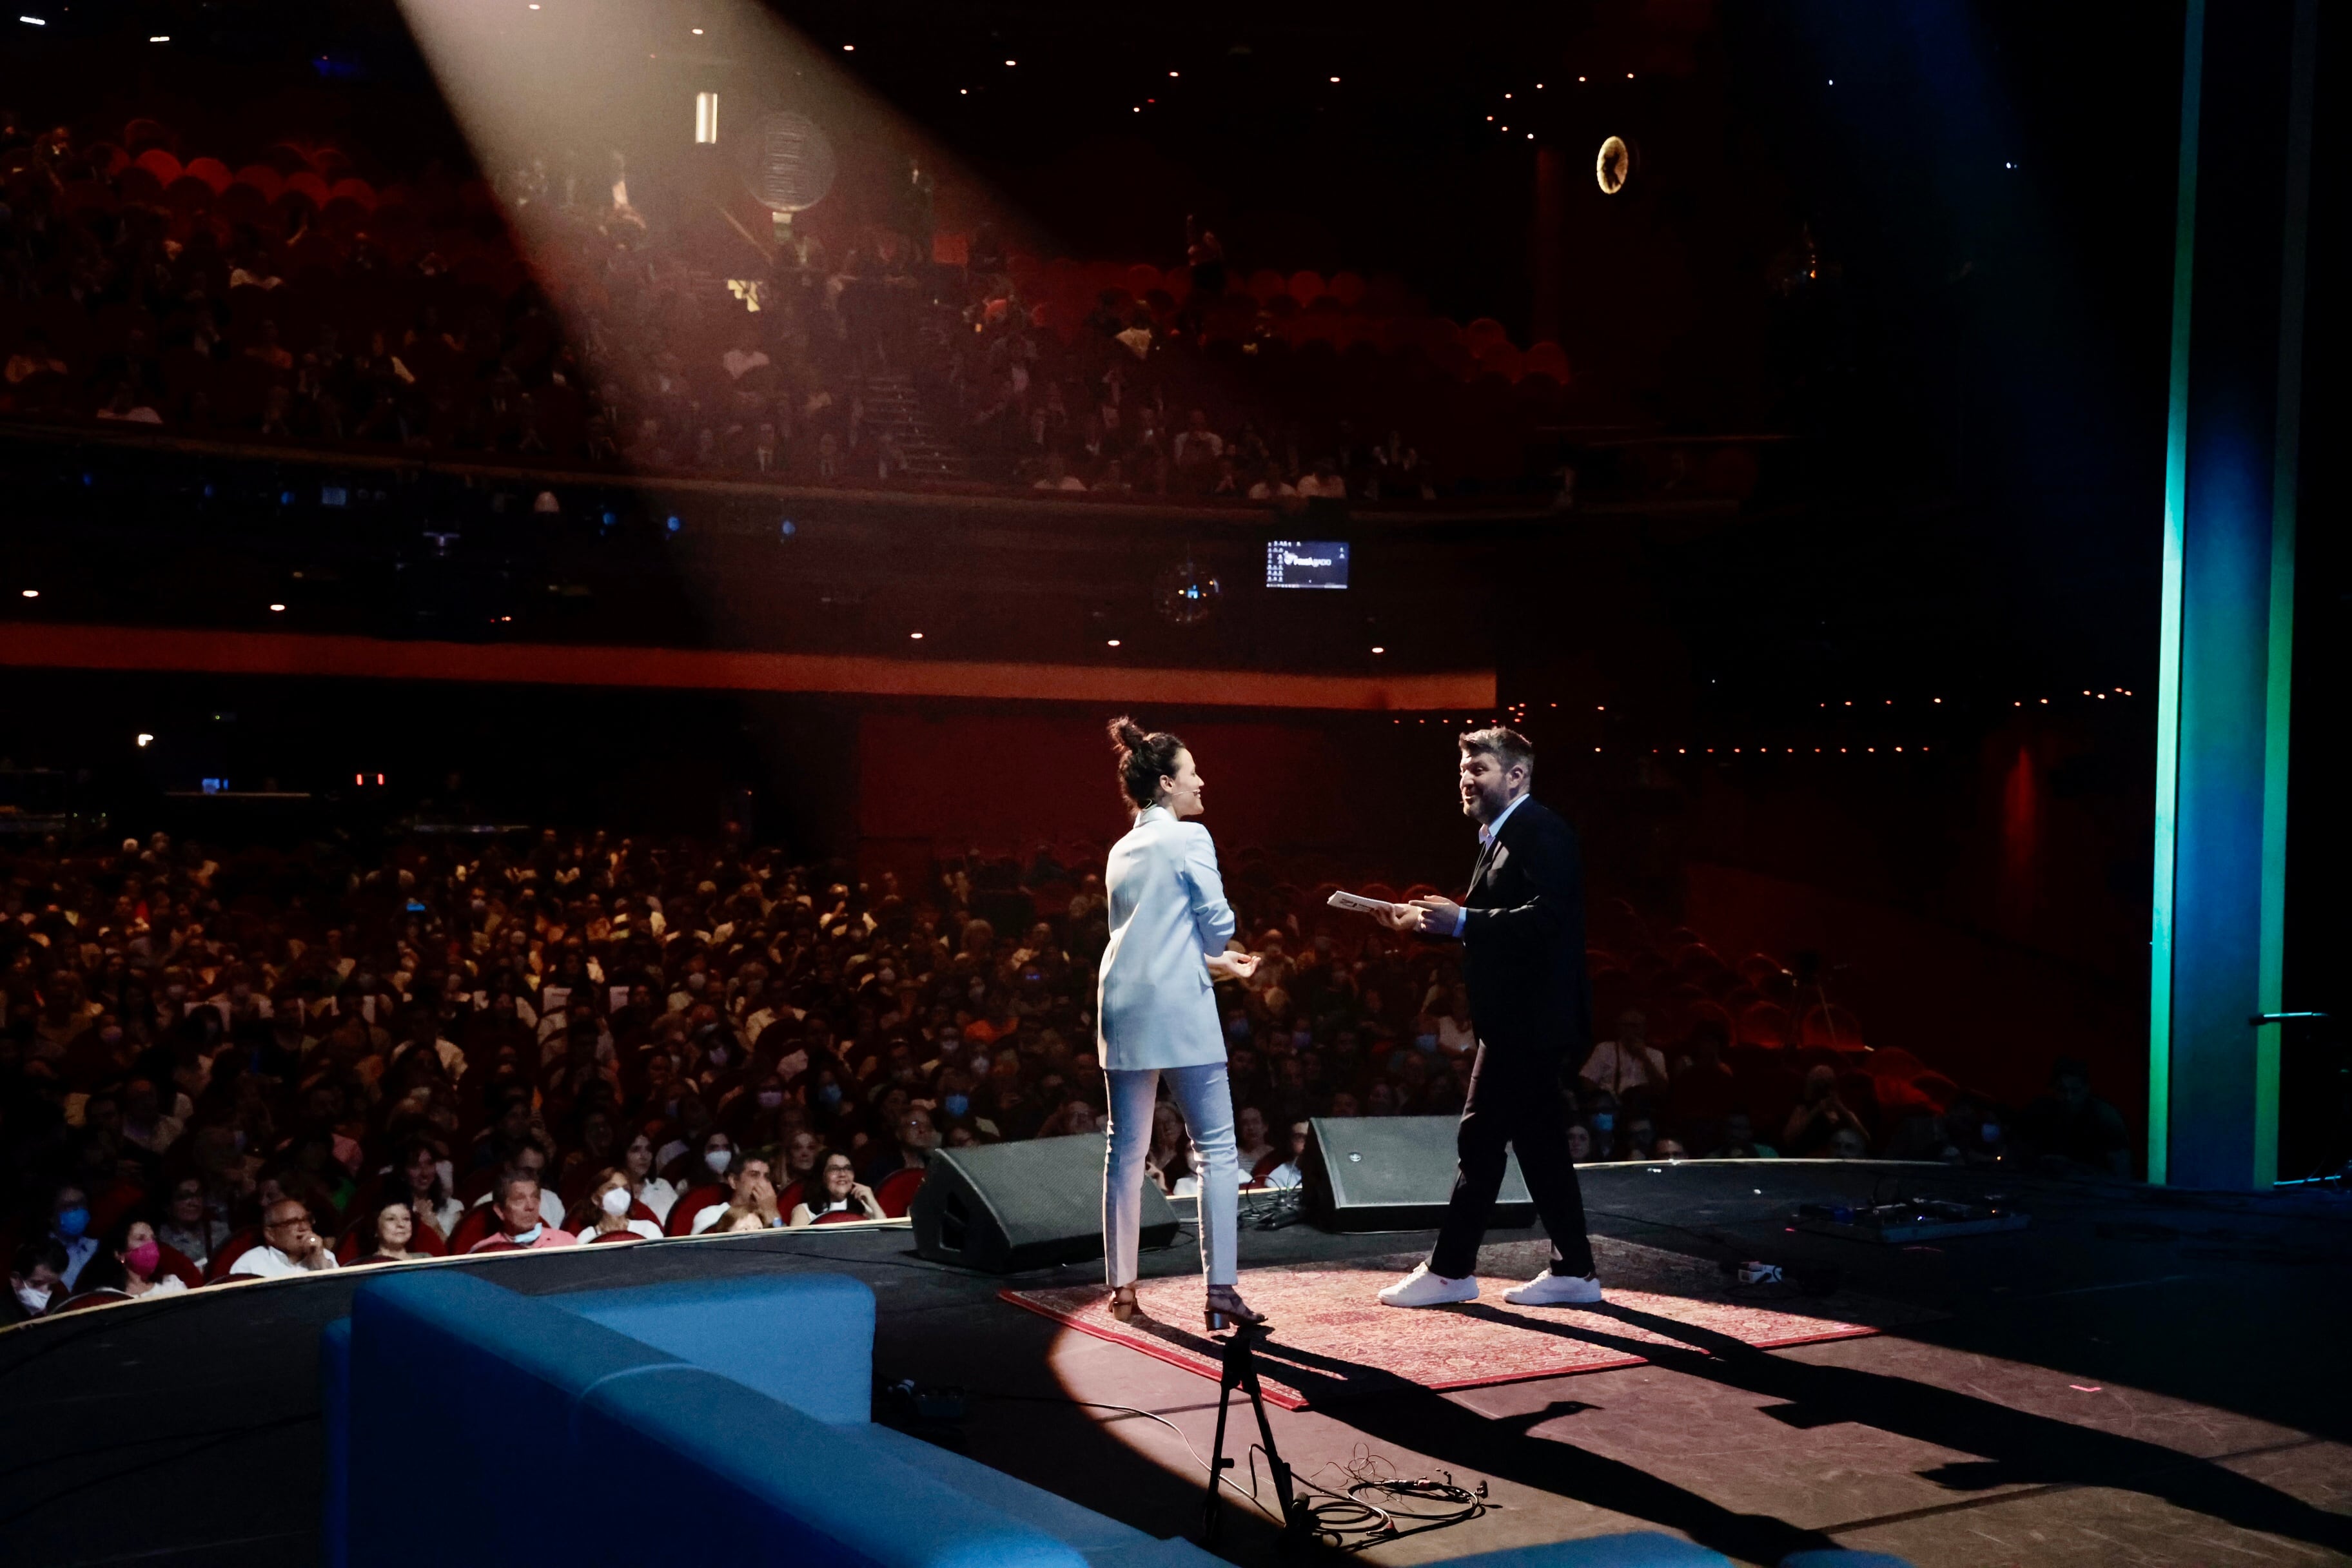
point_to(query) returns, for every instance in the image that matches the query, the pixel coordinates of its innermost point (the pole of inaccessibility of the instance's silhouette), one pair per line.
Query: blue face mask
(72, 1222)
(1604, 1120)
(957, 1104)
(526, 1238)
(829, 1095)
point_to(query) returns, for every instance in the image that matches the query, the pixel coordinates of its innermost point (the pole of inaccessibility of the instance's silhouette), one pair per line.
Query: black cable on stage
(1345, 1519)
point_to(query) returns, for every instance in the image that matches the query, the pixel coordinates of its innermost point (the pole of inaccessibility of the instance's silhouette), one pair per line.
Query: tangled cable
(1347, 1517)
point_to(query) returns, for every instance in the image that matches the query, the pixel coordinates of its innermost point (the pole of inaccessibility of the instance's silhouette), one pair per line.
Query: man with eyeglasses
(288, 1244)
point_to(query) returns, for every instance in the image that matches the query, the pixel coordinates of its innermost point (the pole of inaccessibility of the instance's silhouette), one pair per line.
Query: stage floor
(2139, 1377)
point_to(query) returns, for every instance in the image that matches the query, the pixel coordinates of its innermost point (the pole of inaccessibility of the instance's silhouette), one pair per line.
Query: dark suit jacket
(1522, 941)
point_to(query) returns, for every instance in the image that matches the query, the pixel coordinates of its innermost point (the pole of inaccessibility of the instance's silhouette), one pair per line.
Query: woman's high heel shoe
(1123, 1306)
(1226, 1309)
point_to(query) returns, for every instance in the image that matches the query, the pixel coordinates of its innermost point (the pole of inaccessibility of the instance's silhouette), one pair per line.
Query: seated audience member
(637, 1167)
(838, 1192)
(610, 1201)
(288, 1244)
(1637, 1138)
(1169, 1160)
(69, 1228)
(913, 1136)
(1740, 1141)
(2072, 1129)
(36, 1281)
(140, 1258)
(522, 1224)
(1288, 1170)
(1847, 1144)
(531, 1161)
(751, 1195)
(1818, 1116)
(1975, 1132)
(1628, 1062)
(418, 1173)
(1669, 1149)
(395, 1231)
(189, 1227)
(1579, 1143)
(1257, 1154)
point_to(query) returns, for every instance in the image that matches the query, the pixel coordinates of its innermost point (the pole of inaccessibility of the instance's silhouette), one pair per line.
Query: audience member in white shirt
(288, 1246)
(1629, 1061)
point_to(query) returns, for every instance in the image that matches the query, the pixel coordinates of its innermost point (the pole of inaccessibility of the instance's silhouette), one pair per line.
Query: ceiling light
(32, 592)
(1377, 648)
(142, 739)
(1011, 63)
(166, 37)
(916, 636)
(1335, 81)
(32, 21)
(1112, 643)
(849, 48)
(277, 609)
(1171, 75)
(698, 32)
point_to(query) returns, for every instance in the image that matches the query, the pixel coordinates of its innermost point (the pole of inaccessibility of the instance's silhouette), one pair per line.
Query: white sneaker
(1549, 1290)
(1423, 1288)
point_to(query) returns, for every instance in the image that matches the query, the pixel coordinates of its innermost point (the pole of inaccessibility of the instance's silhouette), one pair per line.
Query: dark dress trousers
(1530, 1002)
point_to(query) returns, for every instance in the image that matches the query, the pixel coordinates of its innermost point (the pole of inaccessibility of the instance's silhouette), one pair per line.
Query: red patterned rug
(1331, 1338)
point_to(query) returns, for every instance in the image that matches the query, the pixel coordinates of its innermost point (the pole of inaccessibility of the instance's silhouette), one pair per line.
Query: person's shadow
(2017, 1446)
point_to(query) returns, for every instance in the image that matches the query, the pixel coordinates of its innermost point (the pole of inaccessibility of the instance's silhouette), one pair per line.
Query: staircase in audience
(894, 408)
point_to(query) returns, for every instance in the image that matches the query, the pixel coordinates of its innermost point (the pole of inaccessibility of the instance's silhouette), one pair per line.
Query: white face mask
(36, 1298)
(718, 1160)
(617, 1201)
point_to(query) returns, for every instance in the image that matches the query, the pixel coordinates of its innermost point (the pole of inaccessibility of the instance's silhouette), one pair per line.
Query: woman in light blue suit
(1157, 1009)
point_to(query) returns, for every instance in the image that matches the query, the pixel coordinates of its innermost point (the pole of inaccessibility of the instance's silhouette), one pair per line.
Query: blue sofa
(737, 1411)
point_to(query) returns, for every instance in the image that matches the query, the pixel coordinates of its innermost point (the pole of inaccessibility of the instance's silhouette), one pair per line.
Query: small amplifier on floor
(1915, 1219)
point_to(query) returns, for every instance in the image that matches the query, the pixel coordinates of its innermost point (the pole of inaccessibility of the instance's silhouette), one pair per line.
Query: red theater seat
(235, 1247)
(840, 1216)
(1828, 1023)
(898, 1190)
(1765, 1024)
(690, 1203)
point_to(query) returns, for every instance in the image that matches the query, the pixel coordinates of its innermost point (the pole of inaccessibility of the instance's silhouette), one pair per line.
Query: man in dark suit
(1522, 932)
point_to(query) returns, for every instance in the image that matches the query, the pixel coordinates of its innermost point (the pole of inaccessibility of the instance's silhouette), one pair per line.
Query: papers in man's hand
(1360, 903)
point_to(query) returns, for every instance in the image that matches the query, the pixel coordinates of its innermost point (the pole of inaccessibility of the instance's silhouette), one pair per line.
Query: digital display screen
(1306, 563)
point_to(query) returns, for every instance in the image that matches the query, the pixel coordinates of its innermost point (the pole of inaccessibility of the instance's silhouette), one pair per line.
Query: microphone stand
(1240, 1371)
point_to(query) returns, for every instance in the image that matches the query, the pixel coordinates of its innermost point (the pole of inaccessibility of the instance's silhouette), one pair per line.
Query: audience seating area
(203, 1048)
(288, 296)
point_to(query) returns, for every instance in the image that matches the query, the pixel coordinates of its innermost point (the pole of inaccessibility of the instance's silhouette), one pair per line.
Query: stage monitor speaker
(1395, 1172)
(1003, 1207)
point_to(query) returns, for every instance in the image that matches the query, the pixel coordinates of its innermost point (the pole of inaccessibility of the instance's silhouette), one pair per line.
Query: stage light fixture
(706, 117)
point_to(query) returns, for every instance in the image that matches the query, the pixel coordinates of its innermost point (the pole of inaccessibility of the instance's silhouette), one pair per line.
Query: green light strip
(2168, 668)
(2279, 692)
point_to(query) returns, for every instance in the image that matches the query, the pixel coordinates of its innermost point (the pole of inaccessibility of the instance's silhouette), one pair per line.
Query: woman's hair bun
(1144, 759)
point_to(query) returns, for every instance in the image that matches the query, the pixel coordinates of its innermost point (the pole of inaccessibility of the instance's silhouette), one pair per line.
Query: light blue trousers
(1206, 1100)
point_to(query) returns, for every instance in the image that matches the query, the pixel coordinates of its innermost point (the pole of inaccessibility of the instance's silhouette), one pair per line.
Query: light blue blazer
(1154, 1001)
